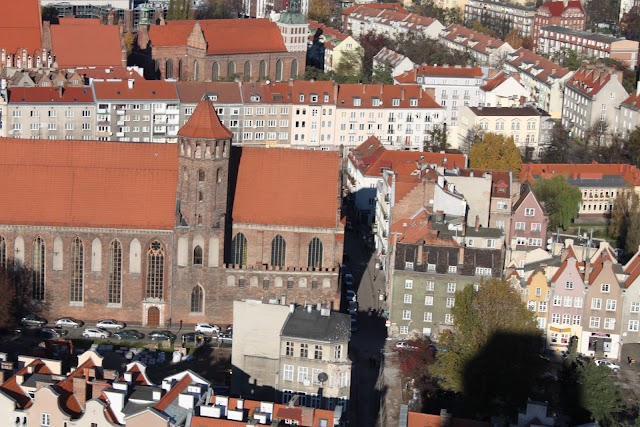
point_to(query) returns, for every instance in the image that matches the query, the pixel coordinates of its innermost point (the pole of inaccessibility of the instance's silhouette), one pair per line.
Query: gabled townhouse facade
(395, 62)
(567, 14)
(543, 79)
(630, 326)
(537, 296)
(529, 127)
(529, 222)
(503, 90)
(484, 50)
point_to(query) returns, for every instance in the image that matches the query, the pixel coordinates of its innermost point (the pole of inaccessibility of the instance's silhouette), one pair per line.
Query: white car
(110, 324)
(96, 333)
(403, 345)
(69, 322)
(351, 295)
(206, 328)
(609, 364)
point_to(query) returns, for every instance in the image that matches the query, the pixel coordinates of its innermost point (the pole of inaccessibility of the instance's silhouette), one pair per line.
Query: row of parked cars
(351, 297)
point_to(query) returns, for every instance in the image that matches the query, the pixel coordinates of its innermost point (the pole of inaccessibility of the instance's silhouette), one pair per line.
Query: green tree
(382, 74)
(446, 16)
(495, 152)
(50, 13)
(558, 149)
(599, 394)
(487, 354)
(349, 67)
(632, 146)
(179, 10)
(321, 10)
(625, 220)
(423, 50)
(568, 58)
(561, 200)
(371, 43)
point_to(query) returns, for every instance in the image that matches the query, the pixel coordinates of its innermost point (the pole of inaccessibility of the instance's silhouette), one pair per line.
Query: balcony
(120, 122)
(120, 112)
(120, 134)
(103, 110)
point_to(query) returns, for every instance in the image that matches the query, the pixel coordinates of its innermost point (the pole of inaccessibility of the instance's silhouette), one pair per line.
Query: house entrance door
(153, 317)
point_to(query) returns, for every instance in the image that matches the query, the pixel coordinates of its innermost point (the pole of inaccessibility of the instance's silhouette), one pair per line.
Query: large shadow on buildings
(232, 180)
(18, 288)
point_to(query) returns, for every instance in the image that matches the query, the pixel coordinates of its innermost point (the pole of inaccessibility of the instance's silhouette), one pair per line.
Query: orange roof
(86, 45)
(557, 8)
(290, 92)
(496, 81)
(386, 94)
(118, 72)
(282, 186)
(327, 31)
(535, 66)
(88, 184)
(530, 171)
(223, 36)
(193, 92)
(416, 419)
(589, 81)
(141, 90)
(439, 71)
(205, 123)
(632, 268)
(633, 101)
(470, 39)
(173, 393)
(20, 25)
(50, 95)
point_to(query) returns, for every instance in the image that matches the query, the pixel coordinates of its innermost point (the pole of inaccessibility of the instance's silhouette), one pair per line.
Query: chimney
(319, 306)
(445, 418)
(477, 222)
(80, 390)
(240, 405)
(565, 3)
(98, 388)
(130, 83)
(60, 91)
(309, 308)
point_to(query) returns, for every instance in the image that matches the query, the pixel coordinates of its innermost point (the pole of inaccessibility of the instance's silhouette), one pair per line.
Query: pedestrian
(169, 322)
(180, 325)
(629, 360)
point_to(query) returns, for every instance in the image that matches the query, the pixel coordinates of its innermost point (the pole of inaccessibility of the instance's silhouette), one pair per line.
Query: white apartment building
(529, 127)
(364, 19)
(137, 110)
(484, 50)
(501, 16)
(401, 116)
(503, 90)
(628, 117)
(543, 79)
(591, 98)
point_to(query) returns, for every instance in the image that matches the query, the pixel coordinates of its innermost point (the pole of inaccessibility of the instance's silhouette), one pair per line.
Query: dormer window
(420, 80)
(314, 98)
(326, 97)
(301, 97)
(395, 102)
(357, 102)
(375, 102)
(413, 102)
(255, 98)
(213, 97)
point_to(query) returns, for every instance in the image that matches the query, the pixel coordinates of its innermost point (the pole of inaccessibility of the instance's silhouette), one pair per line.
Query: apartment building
(552, 39)
(631, 299)
(50, 113)
(485, 50)
(433, 257)
(501, 17)
(137, 111)
(599, 184)
(543, 79)
(628, 117)
(282, 350)
(395, 62)
(567, 14)
(402, 116)
(335, 44)
(537, 295)
(362, 19)
(529, 222)
(503, 90)
(365, 166)
(591, 99)
(529, 127)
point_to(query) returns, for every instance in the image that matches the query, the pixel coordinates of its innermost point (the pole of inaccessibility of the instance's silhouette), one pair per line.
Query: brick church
(148, 233)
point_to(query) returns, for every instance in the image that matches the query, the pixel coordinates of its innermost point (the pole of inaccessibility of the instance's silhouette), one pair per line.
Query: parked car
(353, 313)
(129, 334)
(162, 335)
(229, 329)
(33, 320)
(96, 333)
(53, 332)
(354, 325)
(206, 328)
(110, 324)
(353, 305)
(190, 337)
(69, 322)
(404, 345)
(608, 363)
(351, 295)
(348, 281)
(225, 338)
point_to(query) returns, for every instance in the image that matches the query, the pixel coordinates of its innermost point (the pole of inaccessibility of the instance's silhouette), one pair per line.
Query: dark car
(53, 332)
(33, 320)
(162, 335)
(129, 334)
(190, 337)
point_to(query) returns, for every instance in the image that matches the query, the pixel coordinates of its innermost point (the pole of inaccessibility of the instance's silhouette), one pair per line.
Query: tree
(557, 151)
(414, 362)
(561, 200)
(50, 13)
(321, 11)
(179, 10)
(446, 16)
(632, 146)
(438, 140)
(514, 39)
(128, 40)
(479, 27)
(631, 24)
(600, 11)
(625, 220)
(568, 58)
(371, 44)
(495, 152)
(599, 395)
(7, 306)
(527, 43)
(487, 354)
(349, 67)
(382, 74)
(423, 50)
(220, 9)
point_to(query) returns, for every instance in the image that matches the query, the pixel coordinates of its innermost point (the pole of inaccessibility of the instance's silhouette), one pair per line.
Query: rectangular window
(406, 314)
(45, 420)
(594, 322)
(344, 379)
(317, 353)
(482, 271)
(451, 302)
(448, 319)
(634, 325)
(611, 305)
(568, 301)
(288, 349)
(431, 267)
(86, 113)
(577, 302)
(451, 288)
(428, 316)
(431, 285)
(596, 303)
(536, 226)
(538, 291)
(453, 269)
(605, 288)
(568, 285)
(304, 351)
(566, 319)
(555, 318)
(609, 323)
(85, 126)
(531, 305)
(408, 284)
(68, 113)
(542, 306)
(529, 212)
(303, 374)
(635, 307)
(576, 319)
(520, 226)
(337, 352)
(404, 330)
(557, 300)
(428, 300)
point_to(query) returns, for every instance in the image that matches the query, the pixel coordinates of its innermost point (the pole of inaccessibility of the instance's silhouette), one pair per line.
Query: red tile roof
(193, 92)
(330, 33)
(289, 92)
(556, 8)
(50, 95)
(470, 39)
(282, 186)
(633, 101)
(632, 268)
(205, 123)
(536, 66)
(20, 25)
(72, 20)
(366, 93)
(496, 81)
(141, 90)
(104, 73)
(88, 184)
(172, 394)
(530, 171)
(439, 71)
(223, 36)
(589, 81)
(371, 156)
(86, 45)
(416, 419)
(290, 414)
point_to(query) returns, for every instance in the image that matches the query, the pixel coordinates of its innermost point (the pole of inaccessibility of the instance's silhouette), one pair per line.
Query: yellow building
(537, 295)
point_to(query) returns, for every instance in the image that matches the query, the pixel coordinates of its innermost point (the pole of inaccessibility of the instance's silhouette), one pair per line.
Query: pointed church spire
(204, 123)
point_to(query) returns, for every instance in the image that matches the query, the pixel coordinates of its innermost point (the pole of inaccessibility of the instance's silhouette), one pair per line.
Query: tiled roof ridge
(171, 395)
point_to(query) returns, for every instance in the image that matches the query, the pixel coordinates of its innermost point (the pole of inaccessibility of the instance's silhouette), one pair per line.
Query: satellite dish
(323, 377)
(306, 383)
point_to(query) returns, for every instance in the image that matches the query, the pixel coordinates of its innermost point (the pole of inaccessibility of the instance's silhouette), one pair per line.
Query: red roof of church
(223, 36)
(20, 25)
(205, 123)
(88, 184)
(86, 45)
(282, 186)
